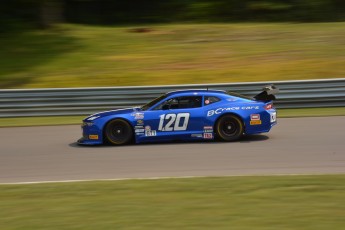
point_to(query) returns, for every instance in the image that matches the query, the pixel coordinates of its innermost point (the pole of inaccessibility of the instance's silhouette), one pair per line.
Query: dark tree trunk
(51, 13)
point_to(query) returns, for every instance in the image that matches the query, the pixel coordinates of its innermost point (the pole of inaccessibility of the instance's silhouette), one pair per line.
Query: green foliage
(84, 56)
(18, 15)
(25, 50)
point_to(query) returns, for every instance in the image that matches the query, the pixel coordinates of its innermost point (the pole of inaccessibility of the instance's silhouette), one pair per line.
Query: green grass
(69, 120)
(78, 56)
(35, 121)
(270, 202)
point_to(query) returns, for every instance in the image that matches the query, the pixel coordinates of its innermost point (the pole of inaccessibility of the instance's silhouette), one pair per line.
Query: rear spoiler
(267, 93)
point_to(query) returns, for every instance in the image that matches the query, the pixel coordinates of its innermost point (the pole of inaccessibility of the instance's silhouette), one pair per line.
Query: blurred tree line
(44, 13)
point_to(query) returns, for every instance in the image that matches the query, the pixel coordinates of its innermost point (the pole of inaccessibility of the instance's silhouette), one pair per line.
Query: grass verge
(70, 120)
(80, 55)
(36, 121)
(261, 202)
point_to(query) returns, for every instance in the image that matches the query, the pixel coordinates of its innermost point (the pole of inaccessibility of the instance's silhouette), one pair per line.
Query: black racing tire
(118, 132)
(229, 128)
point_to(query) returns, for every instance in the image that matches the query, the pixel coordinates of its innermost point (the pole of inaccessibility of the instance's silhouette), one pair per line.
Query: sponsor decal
(255, 122)
(220, 110)
(273, 117)
(139, 130)
(93, 137)
(199, 135)
(234, 108)
(138, 134)
(140, 122)
(208, 135)
(250, 107)
(150, 133)
(139, 127)
(138, 116)
(254, 117)
(147, 128)
(208, 129)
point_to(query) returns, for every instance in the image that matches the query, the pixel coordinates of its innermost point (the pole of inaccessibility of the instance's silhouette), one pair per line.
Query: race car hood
(111, 112)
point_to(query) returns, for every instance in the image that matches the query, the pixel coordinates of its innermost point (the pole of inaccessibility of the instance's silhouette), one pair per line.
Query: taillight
(269, 106)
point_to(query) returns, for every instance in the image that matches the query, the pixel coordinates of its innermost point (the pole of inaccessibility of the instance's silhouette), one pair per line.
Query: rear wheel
(118, 132)
(229, 128)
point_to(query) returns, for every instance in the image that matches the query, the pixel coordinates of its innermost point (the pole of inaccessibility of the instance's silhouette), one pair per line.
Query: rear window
(208, 100)
(239, 95)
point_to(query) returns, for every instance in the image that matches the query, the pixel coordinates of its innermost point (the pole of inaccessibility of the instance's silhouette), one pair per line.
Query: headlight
(87, 124)
(92, 118)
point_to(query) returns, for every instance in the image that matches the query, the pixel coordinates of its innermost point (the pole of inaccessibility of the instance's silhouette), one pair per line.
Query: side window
(181, 103)
(210, 100)
(189, 102)
(170, 103)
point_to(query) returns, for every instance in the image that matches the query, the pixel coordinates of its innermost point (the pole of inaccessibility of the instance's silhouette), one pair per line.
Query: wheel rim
(118, 132)
(229, 128)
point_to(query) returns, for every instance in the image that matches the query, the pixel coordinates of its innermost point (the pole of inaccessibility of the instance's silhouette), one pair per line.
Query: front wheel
(118, 132)
(229, 128)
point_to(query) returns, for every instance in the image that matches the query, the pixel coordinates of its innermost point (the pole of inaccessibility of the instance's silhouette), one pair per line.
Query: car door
(176, 118)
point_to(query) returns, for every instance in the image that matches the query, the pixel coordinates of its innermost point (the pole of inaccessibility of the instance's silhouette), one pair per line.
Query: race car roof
(195, 91)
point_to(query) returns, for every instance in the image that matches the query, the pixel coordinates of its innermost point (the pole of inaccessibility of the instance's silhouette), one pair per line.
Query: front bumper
(92, 134)
(83, 141)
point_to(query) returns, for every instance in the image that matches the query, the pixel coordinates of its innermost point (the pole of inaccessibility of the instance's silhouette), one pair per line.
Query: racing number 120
(173, 122)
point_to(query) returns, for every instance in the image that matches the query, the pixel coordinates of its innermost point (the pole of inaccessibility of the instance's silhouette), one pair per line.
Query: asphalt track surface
(295, 146)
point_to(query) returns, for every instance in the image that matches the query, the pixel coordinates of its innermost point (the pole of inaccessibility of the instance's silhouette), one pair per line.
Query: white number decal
(185, 117)
(171, 119)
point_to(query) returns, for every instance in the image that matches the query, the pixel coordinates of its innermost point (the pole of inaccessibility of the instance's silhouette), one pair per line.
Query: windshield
(153, 102)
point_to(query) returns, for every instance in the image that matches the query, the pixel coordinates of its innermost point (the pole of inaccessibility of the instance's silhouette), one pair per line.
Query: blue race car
(184, 115)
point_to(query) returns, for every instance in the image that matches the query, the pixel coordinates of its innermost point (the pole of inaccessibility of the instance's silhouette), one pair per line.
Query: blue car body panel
(154, 125)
